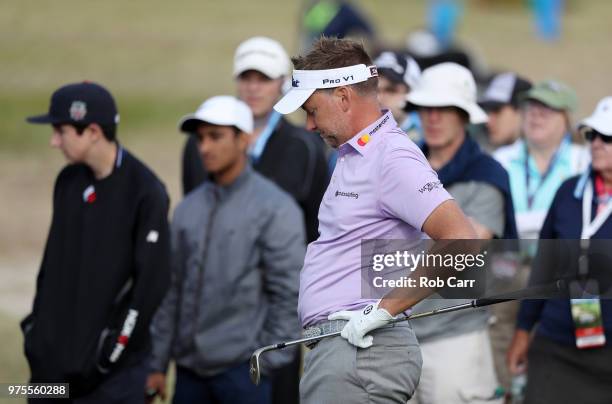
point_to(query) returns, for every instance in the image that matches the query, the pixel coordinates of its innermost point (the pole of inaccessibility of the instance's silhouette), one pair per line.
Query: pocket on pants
(391, 367)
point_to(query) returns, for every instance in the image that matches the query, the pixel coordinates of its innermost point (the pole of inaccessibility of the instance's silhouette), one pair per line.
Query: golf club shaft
(472, 304)
(527, 293)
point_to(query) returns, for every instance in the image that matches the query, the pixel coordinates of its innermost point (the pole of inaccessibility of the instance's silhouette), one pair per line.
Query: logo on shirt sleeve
(430, 186)
(152, 236)
(124, 337)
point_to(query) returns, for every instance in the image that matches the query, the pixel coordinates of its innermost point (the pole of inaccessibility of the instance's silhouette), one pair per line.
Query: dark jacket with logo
(564, 222)
(237, 251)
(294, 159)
(104, 271)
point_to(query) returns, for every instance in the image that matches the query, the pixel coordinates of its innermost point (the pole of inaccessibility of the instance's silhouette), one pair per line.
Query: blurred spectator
(548, 18)
(457, 359)
(235, 270)
(560, 369)
(333, 18)
(443, 18)
(397, 75)
(425, 48)
(501, 102)
(106, 263)
(546, 157)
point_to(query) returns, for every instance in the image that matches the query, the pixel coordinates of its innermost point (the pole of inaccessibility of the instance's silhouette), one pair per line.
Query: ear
(344, 96)
(243, 141)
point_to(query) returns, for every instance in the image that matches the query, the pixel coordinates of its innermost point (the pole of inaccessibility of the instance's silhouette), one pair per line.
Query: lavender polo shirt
(382, 187)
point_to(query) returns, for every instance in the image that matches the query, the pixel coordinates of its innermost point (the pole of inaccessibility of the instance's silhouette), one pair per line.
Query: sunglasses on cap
(591, 134)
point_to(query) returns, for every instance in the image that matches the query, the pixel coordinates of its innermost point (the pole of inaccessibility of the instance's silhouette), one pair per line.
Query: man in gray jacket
(238, 245)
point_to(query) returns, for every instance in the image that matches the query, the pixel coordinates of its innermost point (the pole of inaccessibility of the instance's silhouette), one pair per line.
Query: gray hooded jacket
(237, 251)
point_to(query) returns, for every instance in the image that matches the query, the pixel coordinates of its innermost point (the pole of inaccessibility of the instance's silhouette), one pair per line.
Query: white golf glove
(362, 322)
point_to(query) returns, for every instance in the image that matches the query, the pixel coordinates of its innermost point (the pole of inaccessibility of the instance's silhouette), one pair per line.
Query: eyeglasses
(590, 134)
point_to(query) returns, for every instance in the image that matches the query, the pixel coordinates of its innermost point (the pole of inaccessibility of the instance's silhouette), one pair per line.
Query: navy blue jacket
(470, 163)
(564, 221)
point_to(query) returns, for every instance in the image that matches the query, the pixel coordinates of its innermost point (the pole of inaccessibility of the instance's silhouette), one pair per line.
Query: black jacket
(293, 158)
(104, 272)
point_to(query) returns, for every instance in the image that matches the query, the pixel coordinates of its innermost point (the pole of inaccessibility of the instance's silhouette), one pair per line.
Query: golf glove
(362, 322)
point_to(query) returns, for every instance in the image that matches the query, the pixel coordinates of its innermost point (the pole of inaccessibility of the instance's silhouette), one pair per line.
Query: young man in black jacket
(105, 267)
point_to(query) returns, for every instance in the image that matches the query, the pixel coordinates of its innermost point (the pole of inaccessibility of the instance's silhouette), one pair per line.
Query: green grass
(140, 116)
(13, 367)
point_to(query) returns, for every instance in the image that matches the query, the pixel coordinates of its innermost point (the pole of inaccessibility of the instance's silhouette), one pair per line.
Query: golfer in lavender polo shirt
(382, 187)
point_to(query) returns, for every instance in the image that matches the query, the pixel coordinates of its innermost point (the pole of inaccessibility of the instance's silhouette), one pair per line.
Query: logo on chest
(347, 194)
(89, 195)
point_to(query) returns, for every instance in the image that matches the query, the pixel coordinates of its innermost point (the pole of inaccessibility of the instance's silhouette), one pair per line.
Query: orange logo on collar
(363, 140)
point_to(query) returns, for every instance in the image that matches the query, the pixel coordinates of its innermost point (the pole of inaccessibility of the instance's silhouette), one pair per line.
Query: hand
(516, 357)
(362, 322)
(156, 386)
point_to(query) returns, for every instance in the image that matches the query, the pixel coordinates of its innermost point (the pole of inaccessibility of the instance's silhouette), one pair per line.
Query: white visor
(306, 82)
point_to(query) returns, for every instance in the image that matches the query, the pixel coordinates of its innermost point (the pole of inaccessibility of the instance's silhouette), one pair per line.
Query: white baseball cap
(445, 85)
(601, 120)
(262, 54)
(222, 110)
(306, 82)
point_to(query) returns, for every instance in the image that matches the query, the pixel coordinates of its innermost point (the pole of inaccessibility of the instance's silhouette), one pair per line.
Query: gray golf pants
(387, 372)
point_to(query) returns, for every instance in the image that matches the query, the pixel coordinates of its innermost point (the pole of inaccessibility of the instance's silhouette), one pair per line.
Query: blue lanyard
(264, 136)
(551, 166)
(119, 158)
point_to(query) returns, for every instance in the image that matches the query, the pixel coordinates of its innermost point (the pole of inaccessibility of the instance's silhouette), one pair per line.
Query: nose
(492, 119)
(252, 85)
(597, 142)
(56, 139)
(310, 123)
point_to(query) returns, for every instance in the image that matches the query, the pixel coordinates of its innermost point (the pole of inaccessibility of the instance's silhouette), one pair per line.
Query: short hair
(237, 131)
(108, 130)
(463, 114)
(332, 53)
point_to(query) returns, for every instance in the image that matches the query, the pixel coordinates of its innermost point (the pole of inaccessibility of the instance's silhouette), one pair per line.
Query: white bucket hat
(262, 54)
(601, 120)
(445, 85)
(222, 110)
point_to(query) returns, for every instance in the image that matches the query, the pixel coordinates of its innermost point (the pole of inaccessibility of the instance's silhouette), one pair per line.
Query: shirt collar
(582, 181)
(362, 141)
(223, 190)
(561, 152)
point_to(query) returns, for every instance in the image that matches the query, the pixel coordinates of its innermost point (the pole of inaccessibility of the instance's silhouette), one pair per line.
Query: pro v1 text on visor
(306, 82)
